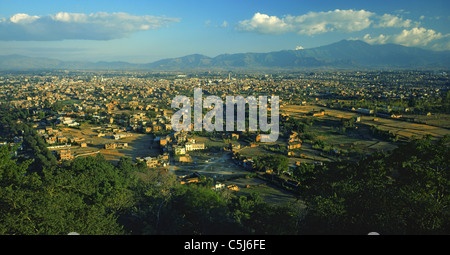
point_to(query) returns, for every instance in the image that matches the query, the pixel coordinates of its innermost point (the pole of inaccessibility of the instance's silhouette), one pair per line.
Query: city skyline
(147, 31)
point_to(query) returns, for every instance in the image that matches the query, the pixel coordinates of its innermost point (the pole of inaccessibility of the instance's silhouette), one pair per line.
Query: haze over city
(147, 31)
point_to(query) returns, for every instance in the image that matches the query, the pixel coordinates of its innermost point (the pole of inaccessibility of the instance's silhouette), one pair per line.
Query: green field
(268, 192)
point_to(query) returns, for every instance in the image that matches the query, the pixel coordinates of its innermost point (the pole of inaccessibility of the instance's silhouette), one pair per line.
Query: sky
(139, 31)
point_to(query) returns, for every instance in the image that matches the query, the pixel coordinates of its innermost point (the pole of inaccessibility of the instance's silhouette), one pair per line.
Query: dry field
(438, 120)
(139, 145)
(405, 130)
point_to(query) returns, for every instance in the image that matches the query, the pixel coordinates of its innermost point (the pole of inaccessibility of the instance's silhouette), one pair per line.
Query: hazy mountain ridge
(343, 54)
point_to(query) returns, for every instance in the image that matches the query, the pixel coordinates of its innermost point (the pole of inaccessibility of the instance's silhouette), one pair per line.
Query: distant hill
(346, 54)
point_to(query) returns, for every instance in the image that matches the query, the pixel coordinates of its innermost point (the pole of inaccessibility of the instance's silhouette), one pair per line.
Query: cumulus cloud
(265, 24)
(63, 25)
(309, 24)
(409, 32)
(299, 48)
(415, 37)
(381, 39)
(388, 20)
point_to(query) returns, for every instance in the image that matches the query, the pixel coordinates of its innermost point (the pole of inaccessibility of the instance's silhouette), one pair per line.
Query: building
(184, 158)
(233, 187)
(232, 136)
(162, 142)
(179, 150)
(235, 146)
(320, 113)
(67, 121)
(180, 137)
(64, 155)
(149, 161)
(62, 139)
(192, 178)
(365, 111)
(194, 146)
(218, 186)
(51, 140)
(110, 146)
(294, 145)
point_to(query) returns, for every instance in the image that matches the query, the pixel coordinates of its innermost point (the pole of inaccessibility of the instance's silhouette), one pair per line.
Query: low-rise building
(64, 155)
(194, 146)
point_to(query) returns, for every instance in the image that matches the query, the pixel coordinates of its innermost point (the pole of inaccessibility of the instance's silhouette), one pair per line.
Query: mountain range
(346, 54)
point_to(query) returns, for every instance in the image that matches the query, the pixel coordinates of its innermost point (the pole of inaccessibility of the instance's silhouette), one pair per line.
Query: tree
(278, 163)
(85, 197)
(404, 192)
(194, 209)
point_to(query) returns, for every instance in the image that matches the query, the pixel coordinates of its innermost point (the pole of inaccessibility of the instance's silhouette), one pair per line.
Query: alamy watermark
(213, 120)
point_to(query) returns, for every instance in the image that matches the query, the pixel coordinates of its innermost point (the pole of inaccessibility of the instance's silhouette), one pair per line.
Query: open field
(268, 192)
(405, 130)
(139, 145)
(438, 120)
(216, 165)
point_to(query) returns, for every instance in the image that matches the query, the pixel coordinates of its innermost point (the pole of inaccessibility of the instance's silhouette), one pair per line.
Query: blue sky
(146, 31)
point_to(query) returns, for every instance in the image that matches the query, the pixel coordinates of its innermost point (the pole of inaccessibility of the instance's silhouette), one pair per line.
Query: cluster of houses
(195, 178)
(294, 142)
(112, 146)
(161, 160)
(67, 121)
(179, 145)
(58, 143)
(176, 144)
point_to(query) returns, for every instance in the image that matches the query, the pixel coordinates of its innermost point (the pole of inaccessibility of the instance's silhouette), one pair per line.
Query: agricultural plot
(438, 120)
(405, 130)
(268, 193)
(219, 166)
(138, 145)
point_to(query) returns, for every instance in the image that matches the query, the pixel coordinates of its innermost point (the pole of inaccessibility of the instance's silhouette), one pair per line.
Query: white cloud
(337, 20)
(22, 18)
(310, 24)
(381, 39)
(265, 24)
(70, 17)
(388, 20)
(347, 21)
(63, 25)
(416, 37)
(299, 48)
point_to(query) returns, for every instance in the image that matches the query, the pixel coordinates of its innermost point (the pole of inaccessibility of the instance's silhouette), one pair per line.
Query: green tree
(405, 192)
(86, 197)
(278, 163)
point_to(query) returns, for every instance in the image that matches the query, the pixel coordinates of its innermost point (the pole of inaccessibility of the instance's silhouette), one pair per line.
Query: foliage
(295, 125)
(84, 197)
(278, 163)
(405, 192)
